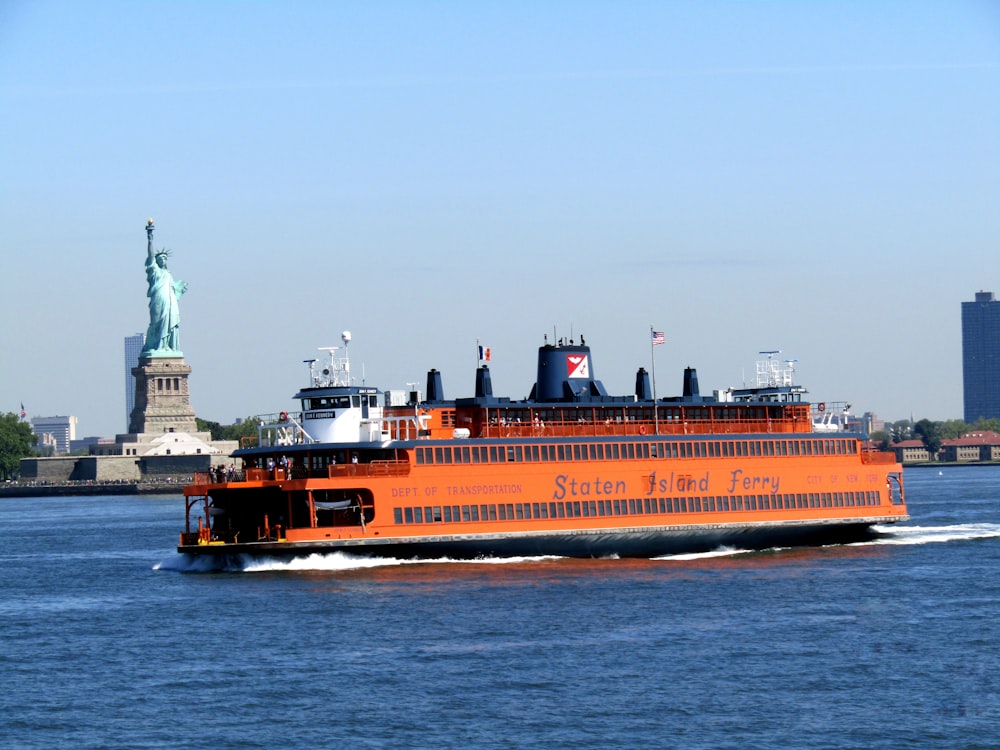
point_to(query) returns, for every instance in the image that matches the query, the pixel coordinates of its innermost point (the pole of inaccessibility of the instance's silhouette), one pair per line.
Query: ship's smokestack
(566, 373)
(642, 390)
(691, 383)
(435, 391)
(484, 385)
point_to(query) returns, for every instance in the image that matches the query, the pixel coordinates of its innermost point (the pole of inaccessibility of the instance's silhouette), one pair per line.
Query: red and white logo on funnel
(577, 365)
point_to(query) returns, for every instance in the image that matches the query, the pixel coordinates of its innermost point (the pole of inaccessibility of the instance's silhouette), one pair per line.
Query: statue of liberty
(164, 310)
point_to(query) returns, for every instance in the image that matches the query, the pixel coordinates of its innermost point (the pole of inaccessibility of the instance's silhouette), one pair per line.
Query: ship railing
(277, 434)
(220, 475)
(215, 476)
(260, 475)
(373, 469)
(282, 429)
(621, 428)
(878, 457)
(278, 473)
(405, 427)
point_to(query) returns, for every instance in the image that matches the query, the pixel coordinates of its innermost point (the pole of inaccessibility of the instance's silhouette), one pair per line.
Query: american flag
(659, 338)
(23, 412)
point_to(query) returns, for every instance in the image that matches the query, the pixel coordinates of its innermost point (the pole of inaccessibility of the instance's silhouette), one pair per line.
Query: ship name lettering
(676, 483)
(753, 482)
(570, 486)
(404, 491)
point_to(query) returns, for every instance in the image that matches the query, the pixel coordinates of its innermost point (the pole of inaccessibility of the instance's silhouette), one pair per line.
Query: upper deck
(566, 401)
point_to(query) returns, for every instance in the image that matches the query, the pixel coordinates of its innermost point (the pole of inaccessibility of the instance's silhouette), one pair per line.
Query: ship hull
(590, 543)
(421, 507)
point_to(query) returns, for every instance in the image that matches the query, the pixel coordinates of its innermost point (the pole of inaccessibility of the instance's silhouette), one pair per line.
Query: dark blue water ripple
(886, 645)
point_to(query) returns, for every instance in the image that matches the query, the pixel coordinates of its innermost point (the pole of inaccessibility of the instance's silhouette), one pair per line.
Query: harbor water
(113, 640)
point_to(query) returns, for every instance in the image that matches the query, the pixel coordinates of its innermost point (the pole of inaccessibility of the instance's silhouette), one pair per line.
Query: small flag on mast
(23, 412)
(484, 354)
(659, 338)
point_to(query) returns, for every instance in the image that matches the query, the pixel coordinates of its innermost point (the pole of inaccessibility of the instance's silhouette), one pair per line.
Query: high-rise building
(981, 357)
(133, 346)
(61, 430)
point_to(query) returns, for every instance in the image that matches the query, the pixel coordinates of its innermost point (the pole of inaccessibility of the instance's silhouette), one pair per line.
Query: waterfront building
(910, 451)
(133, 346)
(982, 445)
(61, 429)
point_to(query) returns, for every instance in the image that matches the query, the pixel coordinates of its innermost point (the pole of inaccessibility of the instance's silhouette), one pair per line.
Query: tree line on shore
(17, 441)
(238, 430)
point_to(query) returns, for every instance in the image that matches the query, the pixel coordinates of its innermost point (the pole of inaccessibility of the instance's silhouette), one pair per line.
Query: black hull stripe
(631, 542)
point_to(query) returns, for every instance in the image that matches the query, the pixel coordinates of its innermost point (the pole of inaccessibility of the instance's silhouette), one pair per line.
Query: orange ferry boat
(569, 471)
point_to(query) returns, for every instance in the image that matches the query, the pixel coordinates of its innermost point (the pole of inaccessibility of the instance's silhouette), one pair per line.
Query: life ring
(283, 417)
(642, 429)
(821, 406)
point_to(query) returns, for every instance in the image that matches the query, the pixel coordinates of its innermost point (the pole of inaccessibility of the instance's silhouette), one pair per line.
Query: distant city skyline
(819, 178)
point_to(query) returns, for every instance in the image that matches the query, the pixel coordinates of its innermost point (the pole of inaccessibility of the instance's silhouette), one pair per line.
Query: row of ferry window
(481, 454)
(341, 402)
(629, 507)
(732, 413)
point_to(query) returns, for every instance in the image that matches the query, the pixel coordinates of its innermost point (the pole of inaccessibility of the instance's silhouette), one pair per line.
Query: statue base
(162, 426)
(160, 353)
(162, 397)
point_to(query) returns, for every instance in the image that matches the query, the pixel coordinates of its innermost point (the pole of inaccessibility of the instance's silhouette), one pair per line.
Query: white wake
(720, 552)
(931, 534)
(316, 562)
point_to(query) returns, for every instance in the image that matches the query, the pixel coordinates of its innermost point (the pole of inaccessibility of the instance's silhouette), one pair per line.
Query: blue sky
(817, 177)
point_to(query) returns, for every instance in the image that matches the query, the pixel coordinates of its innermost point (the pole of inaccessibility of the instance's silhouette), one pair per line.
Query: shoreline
(948, 464)
(89, 489)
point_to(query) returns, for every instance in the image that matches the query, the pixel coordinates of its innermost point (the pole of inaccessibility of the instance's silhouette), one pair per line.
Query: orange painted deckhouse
(568, 471)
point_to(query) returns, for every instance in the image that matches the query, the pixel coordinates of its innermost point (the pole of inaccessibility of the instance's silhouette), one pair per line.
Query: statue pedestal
(162, 426)
(162, 398)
